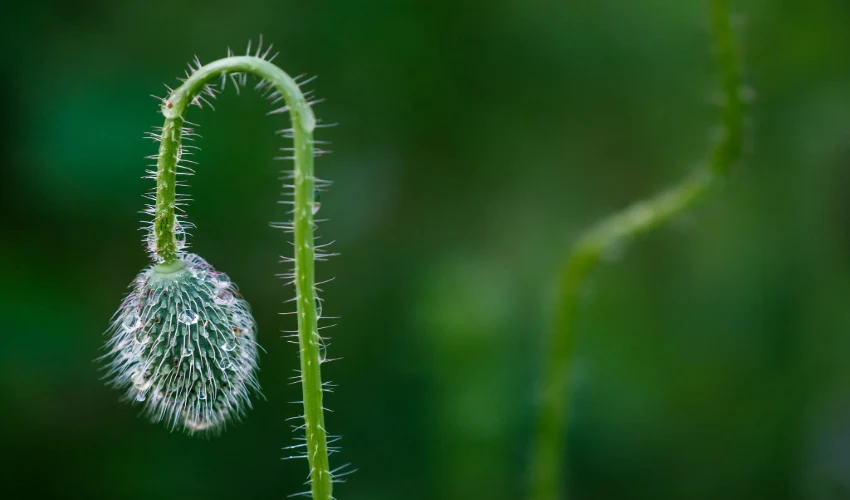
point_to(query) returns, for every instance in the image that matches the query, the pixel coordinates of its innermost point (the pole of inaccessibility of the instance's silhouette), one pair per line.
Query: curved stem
(548, 447)
(303, 123)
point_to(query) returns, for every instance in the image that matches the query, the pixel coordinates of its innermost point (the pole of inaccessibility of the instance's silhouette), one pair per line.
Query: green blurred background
(476, 140)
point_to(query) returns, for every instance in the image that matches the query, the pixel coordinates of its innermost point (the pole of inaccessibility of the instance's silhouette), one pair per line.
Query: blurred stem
(548, 466)
(303, 122)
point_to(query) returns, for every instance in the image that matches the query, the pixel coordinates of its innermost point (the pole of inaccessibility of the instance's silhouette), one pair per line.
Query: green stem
(303, 123)
(549, 441)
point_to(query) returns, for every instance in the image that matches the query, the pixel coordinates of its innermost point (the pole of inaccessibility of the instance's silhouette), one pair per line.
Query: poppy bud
(183, 346)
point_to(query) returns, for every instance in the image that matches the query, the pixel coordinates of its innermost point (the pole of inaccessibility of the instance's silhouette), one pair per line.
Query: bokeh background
(476, 140)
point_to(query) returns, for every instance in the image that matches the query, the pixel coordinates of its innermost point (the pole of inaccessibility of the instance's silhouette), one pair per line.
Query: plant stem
(303, 124)
(549, 441)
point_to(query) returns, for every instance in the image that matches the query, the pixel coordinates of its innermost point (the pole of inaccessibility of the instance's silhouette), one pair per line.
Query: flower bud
(183, 345)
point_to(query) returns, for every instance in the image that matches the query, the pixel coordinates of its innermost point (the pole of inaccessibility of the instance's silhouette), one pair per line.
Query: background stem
(548, 469)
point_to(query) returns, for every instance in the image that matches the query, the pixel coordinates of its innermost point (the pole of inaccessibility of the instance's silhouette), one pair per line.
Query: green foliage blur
(476, 140)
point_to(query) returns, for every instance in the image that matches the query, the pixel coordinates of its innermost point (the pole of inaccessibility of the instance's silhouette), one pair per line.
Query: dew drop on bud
(195, 425)
(140, 396)
(142, 337)
(224, 298)
(188, 317)
(221, 280)
(131, 323)
(240, 320)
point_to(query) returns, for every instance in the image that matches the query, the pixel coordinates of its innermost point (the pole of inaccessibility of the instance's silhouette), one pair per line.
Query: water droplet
(131, 323)
(317, 203)
(140, 396)
(139, 381)
(221, 280)
(224, 298)
(241, 324)
(202, 395)
(318, 308)
(197, 425)
(187, 351)
(188, 317)
(227, 346)
(151, 241)
(179, 235)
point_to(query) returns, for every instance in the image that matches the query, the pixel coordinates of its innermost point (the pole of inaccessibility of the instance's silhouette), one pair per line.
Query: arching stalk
(303, 123)
(548, 447)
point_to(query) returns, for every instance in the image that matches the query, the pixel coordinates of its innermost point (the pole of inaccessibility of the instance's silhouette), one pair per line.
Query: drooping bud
(183, 345)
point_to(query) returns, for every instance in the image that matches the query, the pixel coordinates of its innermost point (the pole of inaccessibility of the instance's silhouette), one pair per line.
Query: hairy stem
(549, 442)
(303, 123)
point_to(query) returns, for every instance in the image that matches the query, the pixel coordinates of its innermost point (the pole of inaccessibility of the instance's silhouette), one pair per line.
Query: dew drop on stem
(179, 235)
(221, 280)
(317, 201)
